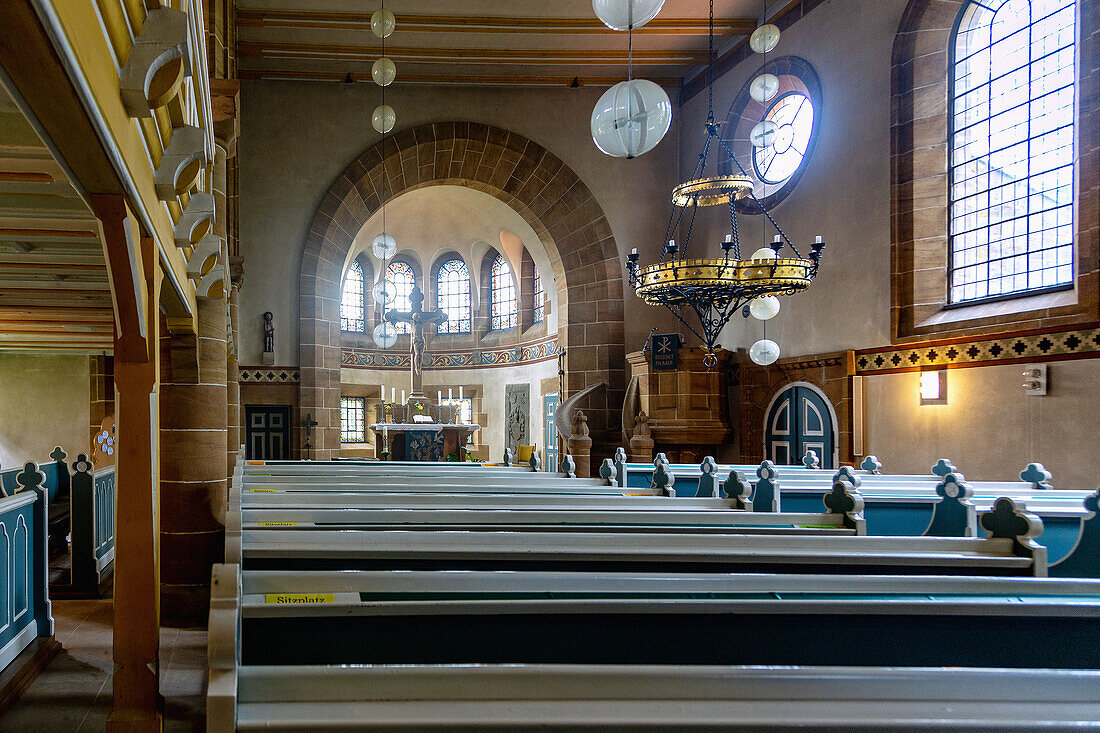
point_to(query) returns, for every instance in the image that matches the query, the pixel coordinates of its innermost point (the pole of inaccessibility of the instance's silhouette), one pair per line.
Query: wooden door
(800, 419)
(550, 431)
(267, 432)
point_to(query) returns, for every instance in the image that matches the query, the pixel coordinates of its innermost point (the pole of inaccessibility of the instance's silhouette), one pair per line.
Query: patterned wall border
(1044, 344)
(269, 375)
(472, 359)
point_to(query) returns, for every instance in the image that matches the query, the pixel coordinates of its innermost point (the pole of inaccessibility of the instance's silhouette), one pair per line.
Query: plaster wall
(490, 382)
(989, 428)
(844, 193)
(44, 402)
(297, 137)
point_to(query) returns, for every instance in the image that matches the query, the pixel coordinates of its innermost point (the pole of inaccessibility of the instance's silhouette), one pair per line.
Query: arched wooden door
(800, 418)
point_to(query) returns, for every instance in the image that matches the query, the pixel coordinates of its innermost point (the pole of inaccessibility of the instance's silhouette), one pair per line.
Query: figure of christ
(418, 318)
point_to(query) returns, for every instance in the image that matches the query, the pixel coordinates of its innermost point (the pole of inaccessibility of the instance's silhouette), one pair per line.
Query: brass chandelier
(716, 288)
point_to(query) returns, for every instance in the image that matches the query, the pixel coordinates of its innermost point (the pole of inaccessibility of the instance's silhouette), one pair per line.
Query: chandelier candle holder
(716, 288)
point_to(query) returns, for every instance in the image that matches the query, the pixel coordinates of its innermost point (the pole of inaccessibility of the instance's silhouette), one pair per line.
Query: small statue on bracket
(269, 339)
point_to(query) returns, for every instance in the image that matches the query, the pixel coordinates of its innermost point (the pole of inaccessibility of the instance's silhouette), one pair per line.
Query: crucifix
(308, 424)
(418, 317)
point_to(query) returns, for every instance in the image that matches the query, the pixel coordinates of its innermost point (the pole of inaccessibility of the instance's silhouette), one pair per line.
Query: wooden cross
(418, 317)
(308, 424)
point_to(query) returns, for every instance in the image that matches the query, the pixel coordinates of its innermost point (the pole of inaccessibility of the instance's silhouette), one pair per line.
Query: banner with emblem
(664, 348)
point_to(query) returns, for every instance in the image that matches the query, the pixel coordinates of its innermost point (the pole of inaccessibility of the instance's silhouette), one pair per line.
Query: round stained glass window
(793, 115)
(772, 136)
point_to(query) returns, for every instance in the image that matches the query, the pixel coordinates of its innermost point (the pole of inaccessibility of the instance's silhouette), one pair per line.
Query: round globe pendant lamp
(624, 15)
(631, 118)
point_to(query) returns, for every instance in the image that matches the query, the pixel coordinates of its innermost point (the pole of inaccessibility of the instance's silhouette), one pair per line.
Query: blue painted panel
(17, 575)
(1059, 536)
(104, 514)
(903, 520)
(799, 420)
(550, 430)
(639, 479)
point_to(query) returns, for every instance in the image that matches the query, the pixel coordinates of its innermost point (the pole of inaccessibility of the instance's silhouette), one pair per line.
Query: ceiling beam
(24, 287)
(518, 57)
(465, 79)
(305, 20)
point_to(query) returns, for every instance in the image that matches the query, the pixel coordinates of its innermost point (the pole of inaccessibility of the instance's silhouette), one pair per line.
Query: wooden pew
(1010, 551)
(26, 623)
(308, 651)
(93, 530)
(57, 485)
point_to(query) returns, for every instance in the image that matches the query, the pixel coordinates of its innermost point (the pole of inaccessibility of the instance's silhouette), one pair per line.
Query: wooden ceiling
(54, 292)
(481, 42)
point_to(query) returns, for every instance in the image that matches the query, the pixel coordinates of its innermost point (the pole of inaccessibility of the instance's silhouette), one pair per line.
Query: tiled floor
(74, 692)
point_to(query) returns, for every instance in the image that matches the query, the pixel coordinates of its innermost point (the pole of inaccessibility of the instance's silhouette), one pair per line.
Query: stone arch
(536, 184)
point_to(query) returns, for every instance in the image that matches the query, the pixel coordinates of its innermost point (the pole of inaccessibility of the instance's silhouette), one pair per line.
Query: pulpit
(687, 406)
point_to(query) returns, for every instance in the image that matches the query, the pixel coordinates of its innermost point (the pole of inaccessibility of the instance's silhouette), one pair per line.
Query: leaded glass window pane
(1012, 148)
(403, 279)
(452, 284)
(352, 305)
(540, 306)
(793, 115)
(353, 420)
(503, 302)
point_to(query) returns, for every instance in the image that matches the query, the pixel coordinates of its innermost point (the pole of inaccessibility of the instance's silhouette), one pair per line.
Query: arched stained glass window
(504, 306)
(452, 285)
(352, 305)
(540, 306)
(403, 279)
(1012, 137)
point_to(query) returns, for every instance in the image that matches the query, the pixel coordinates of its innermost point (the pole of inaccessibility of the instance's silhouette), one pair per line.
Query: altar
(421, 441)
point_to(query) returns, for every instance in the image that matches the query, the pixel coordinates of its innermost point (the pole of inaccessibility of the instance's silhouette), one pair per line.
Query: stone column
(193, 477)
(233, 387)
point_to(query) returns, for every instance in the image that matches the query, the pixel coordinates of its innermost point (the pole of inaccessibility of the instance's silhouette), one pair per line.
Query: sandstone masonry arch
(537, 185)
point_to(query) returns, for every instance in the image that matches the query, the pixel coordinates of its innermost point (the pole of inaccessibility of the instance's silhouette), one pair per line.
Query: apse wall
(988, 427)
(44, 402)
(297, 137)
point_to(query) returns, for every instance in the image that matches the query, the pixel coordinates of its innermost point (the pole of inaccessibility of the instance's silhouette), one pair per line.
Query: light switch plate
(1035, 379)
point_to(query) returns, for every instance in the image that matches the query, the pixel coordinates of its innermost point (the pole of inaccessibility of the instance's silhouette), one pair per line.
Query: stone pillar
(233, 388)
(193, 477)
(580, 445)
(641, 443)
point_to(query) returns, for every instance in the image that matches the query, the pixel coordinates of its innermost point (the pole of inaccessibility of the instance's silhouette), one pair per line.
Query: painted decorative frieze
(352, 358)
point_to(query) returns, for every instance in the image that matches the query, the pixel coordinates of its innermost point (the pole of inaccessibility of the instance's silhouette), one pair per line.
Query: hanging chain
(710, 66)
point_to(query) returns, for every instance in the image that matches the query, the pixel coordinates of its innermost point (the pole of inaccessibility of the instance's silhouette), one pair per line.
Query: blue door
(799, 420)
(550, 430)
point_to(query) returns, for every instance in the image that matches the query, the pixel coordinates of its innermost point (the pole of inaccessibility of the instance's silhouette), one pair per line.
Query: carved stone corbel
(157, 64)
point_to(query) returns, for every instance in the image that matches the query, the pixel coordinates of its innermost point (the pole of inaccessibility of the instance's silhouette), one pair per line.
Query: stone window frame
(919, 190)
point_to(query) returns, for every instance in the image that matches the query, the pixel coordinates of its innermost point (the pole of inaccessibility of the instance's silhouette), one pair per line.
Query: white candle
(402, 397)
(393, 394)
(450, 393)
(460, 391)
(382, 392)
(439, 397)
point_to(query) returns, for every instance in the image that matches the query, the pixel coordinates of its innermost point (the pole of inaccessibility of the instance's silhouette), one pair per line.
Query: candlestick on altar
(460, 391)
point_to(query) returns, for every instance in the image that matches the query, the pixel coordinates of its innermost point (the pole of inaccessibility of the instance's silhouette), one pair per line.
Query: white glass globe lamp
(383, 72)
(764, 352)
(764, 38)
(383, 292)
(382, 23)
(631, 118)
(764, 253)
(622, 15)
(764, 308)
(385, 335)
(383, 118)
(763, 133)
(764, 87)
(384, 246)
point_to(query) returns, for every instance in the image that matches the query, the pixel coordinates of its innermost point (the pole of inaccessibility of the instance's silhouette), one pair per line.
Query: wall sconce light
(933, 387)
(1035, 379)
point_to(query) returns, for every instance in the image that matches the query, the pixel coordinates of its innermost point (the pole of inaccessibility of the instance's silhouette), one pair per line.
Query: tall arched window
(1012, 117)
(539, 306)
(352, 304)
(452, 286)
(403, 279)
(504, 307)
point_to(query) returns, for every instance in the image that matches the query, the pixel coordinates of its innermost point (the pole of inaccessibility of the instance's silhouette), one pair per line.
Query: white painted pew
(477, 696)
